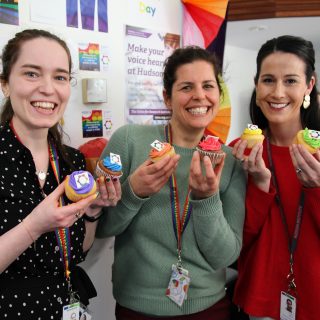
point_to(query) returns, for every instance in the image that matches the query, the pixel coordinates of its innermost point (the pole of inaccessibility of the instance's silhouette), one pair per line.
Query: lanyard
(62, 234)
(292, 243)
(179, 222)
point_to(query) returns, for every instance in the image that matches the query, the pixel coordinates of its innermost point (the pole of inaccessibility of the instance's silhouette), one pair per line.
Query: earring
(306, 101)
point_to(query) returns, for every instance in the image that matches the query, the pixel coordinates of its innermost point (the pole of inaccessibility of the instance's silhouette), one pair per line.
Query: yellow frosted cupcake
(160, 150)
(308, 138)
(80, 185)
(253, 135)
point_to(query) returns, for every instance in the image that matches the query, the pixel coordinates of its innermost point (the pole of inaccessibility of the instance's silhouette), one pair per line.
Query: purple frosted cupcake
(80, 185)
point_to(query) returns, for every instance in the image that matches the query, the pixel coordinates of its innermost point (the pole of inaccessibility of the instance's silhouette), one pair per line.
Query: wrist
(93, 218)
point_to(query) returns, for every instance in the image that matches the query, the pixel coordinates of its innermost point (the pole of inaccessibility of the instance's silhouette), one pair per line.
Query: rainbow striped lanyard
(62, 234)
(179, 222)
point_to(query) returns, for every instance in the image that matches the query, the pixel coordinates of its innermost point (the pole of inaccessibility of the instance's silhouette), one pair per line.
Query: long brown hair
(10, 55)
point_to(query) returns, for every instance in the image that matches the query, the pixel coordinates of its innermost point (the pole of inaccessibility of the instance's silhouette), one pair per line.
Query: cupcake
(80, 185)
(160, 150)
(253, 135)
(109, 167)
(211, 147)
(308, 138)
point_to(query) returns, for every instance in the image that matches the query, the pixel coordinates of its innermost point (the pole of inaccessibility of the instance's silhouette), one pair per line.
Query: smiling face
(195, 97)
(281, 88)
(39, 84)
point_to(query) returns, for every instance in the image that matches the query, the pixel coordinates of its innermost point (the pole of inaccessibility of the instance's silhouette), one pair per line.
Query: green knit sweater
(145, 244)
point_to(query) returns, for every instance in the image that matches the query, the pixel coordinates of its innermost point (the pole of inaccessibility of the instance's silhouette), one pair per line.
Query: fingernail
(108, 179)
(115, 179)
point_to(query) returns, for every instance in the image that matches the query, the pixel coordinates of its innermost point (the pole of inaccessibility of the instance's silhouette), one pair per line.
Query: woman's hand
(204, 186)
(109, 193)
(48, 215)
(307, 166)
(253, 164)
(150, 177)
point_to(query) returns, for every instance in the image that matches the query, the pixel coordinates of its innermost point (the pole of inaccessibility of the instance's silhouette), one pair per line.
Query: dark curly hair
(185, 55)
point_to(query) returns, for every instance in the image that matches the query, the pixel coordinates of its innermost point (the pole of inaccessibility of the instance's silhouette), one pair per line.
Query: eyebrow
(190, 82)
(34, 66)
(287, 75)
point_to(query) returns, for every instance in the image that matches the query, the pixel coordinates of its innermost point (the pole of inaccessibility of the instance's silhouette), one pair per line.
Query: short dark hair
(304, 50)
(186, 55)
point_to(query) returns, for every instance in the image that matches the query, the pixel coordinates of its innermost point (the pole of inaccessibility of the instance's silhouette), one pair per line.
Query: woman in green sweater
(179, 222)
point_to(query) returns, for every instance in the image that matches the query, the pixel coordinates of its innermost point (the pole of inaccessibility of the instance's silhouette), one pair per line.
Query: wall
(239, 69)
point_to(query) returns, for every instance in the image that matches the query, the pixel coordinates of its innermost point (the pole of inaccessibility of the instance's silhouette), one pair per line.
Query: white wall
(239, 70)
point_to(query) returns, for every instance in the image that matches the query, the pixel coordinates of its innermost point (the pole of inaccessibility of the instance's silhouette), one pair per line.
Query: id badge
(178, 285)
(288, 306)
(75, 311)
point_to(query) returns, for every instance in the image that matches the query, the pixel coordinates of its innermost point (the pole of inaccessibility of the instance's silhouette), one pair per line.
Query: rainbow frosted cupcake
(308, 138)
(253, 135)
(80, 185)
(160, 150)
(211, 147)
(109, 167)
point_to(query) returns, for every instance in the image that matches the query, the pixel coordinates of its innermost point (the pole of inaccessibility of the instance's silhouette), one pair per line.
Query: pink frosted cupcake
(211, 147)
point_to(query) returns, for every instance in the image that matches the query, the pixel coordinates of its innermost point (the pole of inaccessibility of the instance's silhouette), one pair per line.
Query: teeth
(44, 105)
(278, 105)
(199, 110)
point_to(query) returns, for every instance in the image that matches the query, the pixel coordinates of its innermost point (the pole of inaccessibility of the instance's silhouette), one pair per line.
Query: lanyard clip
(291, 280)
(179, 263)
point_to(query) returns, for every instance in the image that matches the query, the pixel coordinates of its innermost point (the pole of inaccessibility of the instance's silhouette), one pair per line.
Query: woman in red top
(280, 262)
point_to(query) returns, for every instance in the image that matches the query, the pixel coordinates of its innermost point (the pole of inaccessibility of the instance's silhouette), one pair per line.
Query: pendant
(41, 175)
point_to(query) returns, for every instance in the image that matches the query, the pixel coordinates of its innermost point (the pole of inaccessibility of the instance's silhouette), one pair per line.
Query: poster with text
(146, 51)
(92, 125)
(9, 12)
(89, 56)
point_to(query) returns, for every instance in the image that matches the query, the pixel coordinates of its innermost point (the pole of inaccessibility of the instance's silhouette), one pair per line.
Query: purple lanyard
(292, 243)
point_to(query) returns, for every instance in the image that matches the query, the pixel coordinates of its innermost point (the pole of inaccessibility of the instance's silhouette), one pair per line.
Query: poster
(146, 51)
(89, 56)
(84, 14)
(92, 125)
(93, 14)
(9, 12)
(48, 12)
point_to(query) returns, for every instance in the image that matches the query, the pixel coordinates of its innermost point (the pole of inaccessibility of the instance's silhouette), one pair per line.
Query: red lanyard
(292, 243)
(179, 223)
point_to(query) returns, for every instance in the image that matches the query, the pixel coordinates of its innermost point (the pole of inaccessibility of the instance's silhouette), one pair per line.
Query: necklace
(41, 175)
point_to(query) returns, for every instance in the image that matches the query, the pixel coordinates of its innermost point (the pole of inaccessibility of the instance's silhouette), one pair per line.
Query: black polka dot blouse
(33, 286)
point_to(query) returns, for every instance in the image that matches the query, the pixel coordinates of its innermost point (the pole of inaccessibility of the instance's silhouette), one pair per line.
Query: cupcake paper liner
(215, 157)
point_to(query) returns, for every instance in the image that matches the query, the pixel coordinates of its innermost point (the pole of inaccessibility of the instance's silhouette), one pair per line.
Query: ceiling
(251, 34)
